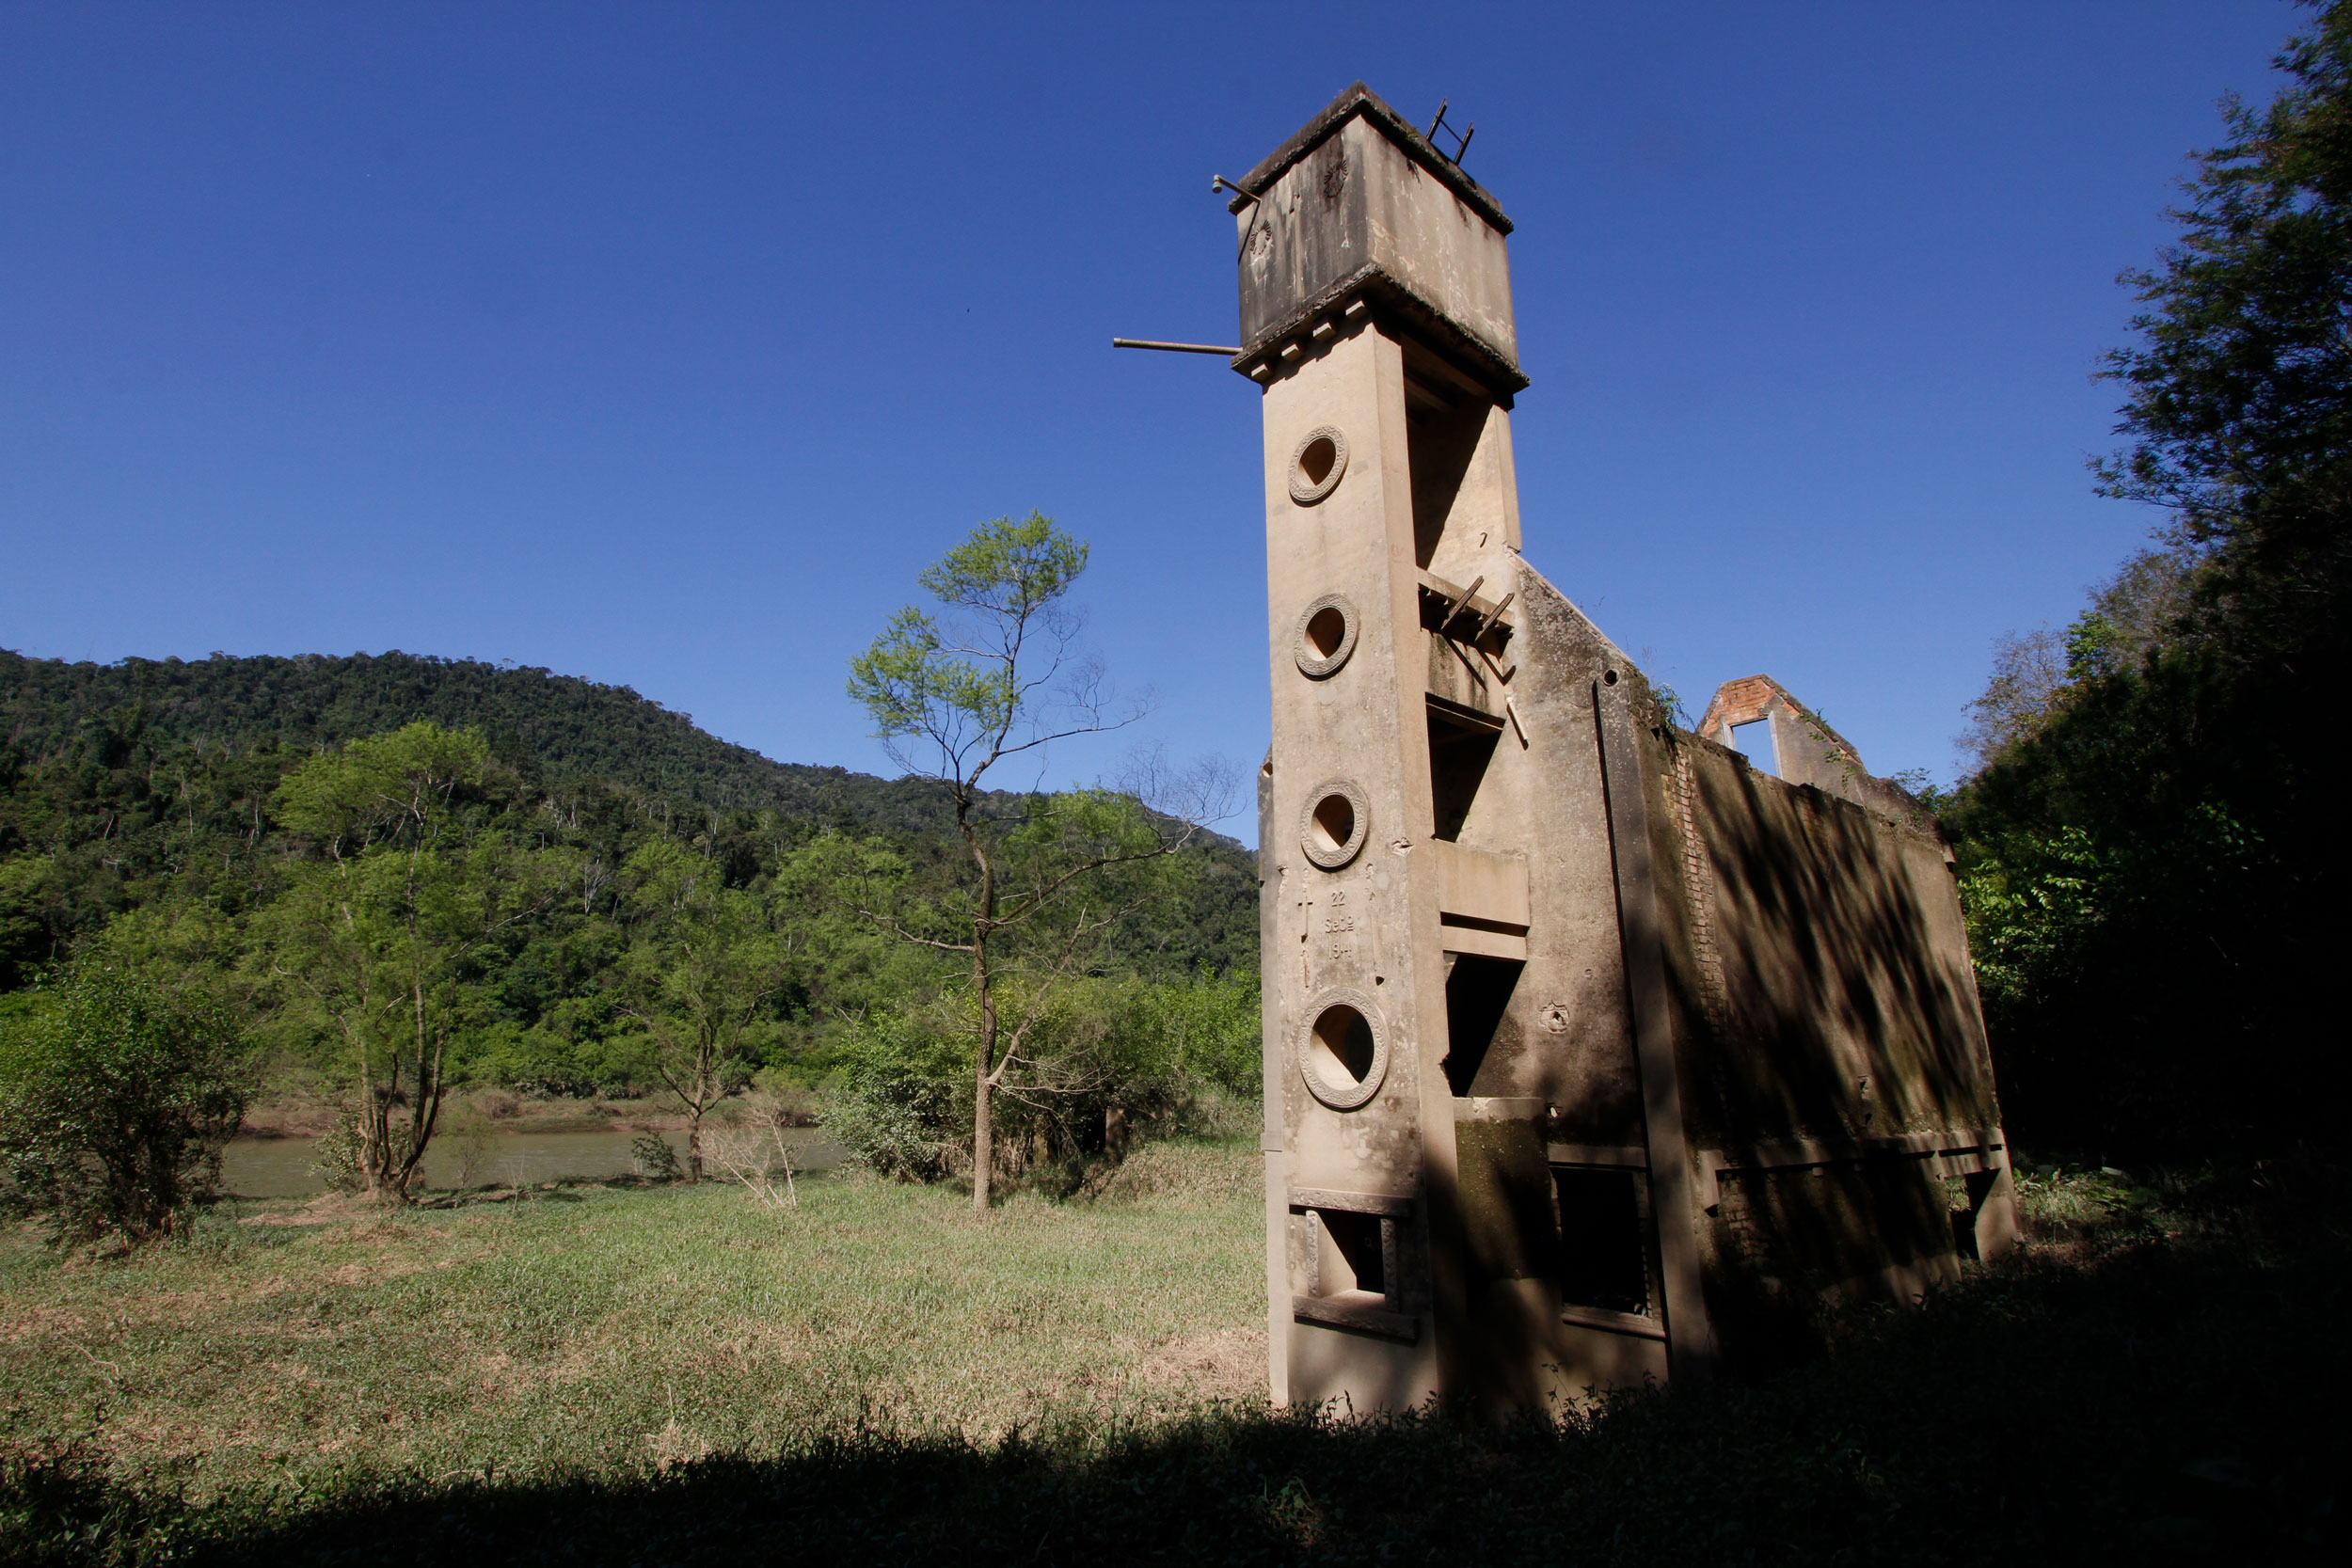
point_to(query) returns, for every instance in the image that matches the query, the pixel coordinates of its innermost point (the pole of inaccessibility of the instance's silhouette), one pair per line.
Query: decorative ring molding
(1319, 832)
(1316, 666)
(1305, 489)
(1339, 1092)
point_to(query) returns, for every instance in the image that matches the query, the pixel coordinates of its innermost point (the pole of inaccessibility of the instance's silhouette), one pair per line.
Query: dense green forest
(552, 729)
(575, 891)
(2155, 887)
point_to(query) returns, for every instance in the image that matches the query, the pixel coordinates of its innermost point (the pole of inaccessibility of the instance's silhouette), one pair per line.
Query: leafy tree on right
(2154, 882)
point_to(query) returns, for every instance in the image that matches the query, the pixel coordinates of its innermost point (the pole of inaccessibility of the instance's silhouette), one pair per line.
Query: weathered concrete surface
(1591, 1054)
(1360, 203)
(1806, 750)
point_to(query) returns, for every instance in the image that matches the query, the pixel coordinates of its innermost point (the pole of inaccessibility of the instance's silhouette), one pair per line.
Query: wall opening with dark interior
(1460, 749)
(1362, 1263)
(1477, 996)
(1604, 1245)
(1341, 1045)
(1442, 427)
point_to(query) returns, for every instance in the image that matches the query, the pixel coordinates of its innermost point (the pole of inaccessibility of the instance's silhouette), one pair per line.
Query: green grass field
(593, 1329)
(679, 1375)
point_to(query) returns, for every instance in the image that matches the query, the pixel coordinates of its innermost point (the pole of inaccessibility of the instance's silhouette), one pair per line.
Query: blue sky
(663, 345)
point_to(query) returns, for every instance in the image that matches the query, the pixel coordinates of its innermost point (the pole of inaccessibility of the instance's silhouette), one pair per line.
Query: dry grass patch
(621, 1329)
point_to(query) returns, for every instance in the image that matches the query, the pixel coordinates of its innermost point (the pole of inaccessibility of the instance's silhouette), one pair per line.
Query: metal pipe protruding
(1173, 348)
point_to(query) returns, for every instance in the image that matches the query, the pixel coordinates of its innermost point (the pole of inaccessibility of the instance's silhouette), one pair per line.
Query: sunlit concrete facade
(1593, 1054)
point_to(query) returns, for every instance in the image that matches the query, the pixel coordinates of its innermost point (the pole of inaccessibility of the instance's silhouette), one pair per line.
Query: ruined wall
(1838, 1087)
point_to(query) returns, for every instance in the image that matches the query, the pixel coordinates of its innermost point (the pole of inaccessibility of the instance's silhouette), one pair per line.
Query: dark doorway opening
(1358, 1240)
(1477, 995)
(1442, 427)
(1603, 1250)
(1459, 753)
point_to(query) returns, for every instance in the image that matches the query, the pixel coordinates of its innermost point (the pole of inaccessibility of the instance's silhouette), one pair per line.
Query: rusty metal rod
(1493, 615)
(1173, 348)
(1459, 605)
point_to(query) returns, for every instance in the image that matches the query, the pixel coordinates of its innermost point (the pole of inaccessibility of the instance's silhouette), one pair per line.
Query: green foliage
(382, 788)
(115, 1096)
(2154, 895)
(1046, 886)
(565, 731)
(900, 1100)
(210, 864)
(704, 964)
(963, 692)
(382, 949)
(117, 781)
(1101, 1060)
(656, 1160)
(2241, 383)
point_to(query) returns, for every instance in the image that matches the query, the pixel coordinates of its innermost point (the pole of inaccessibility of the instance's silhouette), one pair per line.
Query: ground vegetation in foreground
(678, 1374)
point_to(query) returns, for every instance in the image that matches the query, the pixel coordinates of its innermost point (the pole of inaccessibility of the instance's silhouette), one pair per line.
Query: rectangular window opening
(1604, 1248)
(1754, 741)
(1477, 994)
(1355, 1254)
(1442, 427)
(1458, 755)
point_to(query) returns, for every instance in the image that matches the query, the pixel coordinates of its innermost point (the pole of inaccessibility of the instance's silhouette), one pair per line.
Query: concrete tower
(1509, 992)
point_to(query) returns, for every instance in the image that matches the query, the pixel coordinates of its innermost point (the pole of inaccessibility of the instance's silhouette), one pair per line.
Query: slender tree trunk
(369, 1120)
(702, 1057)
(983, 1108)
(425, 1114)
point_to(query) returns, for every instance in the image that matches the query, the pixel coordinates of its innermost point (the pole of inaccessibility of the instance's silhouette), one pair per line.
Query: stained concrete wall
(1591, 1056)
(1360, 203)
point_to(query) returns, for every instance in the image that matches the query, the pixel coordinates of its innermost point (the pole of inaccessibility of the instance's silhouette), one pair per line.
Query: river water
(281, 1167)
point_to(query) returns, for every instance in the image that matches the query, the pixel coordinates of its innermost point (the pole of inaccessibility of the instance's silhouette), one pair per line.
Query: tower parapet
(1360, 207)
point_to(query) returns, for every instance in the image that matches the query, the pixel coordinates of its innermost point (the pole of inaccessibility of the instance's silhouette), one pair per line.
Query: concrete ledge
(1350, 1203)
(1398, 307)
(1950, 1153)
(1613, 1323)
(1355, 1310)
(1606, 1156)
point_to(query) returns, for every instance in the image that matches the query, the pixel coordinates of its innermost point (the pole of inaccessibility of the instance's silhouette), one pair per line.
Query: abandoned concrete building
(1596, 1051)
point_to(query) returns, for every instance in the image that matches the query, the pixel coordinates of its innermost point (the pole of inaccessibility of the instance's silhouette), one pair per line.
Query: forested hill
(558, 728)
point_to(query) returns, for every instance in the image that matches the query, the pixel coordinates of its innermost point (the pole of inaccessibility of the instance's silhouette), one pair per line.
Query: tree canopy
(2155, 894)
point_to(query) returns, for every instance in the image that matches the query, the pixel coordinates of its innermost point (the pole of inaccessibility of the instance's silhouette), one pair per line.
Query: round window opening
(1318, 463)
(1343, 1052)
(1335, 821)
(1326, 635)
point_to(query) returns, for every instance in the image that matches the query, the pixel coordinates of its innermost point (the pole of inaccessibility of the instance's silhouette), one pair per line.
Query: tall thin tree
(955, 698)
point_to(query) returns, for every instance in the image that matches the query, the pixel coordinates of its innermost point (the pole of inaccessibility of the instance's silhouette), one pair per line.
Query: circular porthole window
(1326, 635)
(1318, 463)
(1337, 819)
(1343, 1049)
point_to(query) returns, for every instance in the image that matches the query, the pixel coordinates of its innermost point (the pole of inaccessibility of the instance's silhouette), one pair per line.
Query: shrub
(902, 1104)
(335, 1157)
(116, 1095)
(1105, 1061)
(656, 1160)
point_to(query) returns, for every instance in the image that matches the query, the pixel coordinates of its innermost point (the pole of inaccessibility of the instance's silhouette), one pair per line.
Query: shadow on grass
(2176, 1402)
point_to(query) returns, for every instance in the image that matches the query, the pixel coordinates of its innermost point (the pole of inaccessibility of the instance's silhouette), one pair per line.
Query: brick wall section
(1740, 701)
